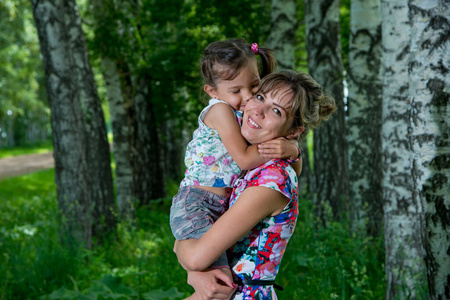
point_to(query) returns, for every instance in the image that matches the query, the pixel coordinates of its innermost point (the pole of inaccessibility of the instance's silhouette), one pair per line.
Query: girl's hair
(310, 106)
(223, 60)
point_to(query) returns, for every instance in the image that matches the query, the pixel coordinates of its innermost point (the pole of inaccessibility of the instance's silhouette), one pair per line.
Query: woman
(264, 204)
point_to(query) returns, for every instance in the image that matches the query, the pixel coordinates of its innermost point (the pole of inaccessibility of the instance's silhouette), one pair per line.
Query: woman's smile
(252, 123)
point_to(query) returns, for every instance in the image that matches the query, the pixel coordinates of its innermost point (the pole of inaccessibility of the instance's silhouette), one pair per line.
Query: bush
(320, 262)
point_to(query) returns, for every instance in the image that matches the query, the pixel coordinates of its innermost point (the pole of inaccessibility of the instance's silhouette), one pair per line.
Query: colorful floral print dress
(257, 256)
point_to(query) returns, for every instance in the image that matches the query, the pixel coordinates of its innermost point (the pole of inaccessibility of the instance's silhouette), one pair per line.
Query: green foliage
(320, 262)
(331, 262)
(22, 94)
(345, 29)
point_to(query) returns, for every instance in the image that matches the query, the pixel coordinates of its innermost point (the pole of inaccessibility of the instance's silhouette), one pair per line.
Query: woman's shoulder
(277, 171)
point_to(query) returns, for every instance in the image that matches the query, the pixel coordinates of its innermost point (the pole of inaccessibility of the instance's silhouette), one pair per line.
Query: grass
(41, 147)
(320, 263)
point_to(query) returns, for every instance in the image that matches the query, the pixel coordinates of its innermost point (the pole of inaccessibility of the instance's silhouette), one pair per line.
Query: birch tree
(364, 117)
(121, 134)
(429, 83)
(149, 169)
(326, 67)
(107, 27)
(283, 25)
(81, 151)
(97, 147)
(404, 253)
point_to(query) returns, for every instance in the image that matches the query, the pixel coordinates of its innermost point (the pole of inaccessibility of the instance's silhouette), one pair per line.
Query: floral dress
(257, 256)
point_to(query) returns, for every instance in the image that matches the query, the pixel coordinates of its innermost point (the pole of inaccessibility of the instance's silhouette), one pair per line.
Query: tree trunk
(69, 138)
(121, 146)
(98, 154)
(105, 34)
(325, 66)
(404, 254)
(149, 178)
(173, 150)
(283, 25)
(429, 83)
(364, 116)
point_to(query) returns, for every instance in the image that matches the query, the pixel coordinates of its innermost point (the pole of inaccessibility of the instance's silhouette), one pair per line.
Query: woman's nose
(259, 111)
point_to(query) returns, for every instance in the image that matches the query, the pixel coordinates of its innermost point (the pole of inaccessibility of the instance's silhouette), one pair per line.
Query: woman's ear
(295, 132)
(210, 91)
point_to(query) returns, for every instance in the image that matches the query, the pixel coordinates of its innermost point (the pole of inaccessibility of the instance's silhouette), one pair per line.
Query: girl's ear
(295, 132)
(210, 91)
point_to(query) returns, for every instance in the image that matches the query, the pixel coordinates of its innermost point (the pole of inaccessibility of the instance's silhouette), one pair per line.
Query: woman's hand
(279, 148)
(212, 284)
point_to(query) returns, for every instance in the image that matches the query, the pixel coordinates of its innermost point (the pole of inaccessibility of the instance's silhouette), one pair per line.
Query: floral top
(207, 161)
(257, 256)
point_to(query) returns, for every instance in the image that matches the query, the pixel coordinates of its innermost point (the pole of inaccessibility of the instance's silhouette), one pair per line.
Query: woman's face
(267, 117)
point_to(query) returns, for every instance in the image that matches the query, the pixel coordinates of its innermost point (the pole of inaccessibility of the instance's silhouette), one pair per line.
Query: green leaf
(62, 294)
(172, 293)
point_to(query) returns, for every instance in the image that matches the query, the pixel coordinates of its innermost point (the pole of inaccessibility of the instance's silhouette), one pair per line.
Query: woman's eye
(259, 97)
(277, 111)
(236, 92)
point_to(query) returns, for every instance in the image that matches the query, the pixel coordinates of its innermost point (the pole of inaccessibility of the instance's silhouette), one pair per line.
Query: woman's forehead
(282, 96)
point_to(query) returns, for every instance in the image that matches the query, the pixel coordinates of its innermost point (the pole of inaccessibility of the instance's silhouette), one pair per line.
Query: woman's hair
(310, 106)
(223, 60)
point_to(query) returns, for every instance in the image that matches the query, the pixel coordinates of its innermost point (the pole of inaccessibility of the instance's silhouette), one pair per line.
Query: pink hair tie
(255, 48)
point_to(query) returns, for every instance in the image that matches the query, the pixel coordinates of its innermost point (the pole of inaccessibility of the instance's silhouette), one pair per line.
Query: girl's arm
(221, 118)
(254, 204)
(282, 148)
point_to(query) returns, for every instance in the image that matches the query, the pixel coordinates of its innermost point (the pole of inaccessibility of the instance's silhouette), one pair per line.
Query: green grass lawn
(320, 263)
(41, 147)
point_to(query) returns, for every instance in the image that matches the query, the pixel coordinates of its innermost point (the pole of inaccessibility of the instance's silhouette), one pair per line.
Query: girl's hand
(212, 284)
(279, 148)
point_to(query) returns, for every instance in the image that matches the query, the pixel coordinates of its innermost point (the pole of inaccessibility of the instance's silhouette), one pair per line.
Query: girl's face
(267, 117)
(239, 90)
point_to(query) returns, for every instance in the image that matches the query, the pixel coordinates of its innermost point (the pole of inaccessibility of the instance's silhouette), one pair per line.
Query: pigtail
(268, 61)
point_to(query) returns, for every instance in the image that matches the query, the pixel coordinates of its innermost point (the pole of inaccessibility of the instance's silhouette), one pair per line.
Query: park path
(24, 164)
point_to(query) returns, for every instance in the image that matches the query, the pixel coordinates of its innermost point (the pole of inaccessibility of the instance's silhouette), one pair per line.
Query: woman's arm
(253, 205)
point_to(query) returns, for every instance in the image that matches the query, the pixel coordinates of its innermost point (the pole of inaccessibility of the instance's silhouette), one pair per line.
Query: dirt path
(24, 164)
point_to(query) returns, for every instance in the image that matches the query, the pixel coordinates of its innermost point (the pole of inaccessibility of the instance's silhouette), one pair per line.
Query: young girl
(218, 152)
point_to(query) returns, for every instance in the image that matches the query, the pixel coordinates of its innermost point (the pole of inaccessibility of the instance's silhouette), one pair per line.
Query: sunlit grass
(42, 147)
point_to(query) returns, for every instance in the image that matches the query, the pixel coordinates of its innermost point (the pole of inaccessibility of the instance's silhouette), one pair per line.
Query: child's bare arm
(279, 148)
(283, 148)
(221, 118)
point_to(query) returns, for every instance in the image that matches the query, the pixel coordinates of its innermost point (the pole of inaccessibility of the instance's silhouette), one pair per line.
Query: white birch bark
(404, 253)
(119, 110)
(364, 116)
(97, 147)
(325, 65)
(121, 145)
(429, 87)
(283, 24)
(69, 140)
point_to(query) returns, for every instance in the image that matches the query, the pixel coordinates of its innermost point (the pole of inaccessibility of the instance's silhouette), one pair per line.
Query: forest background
(375, 184)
